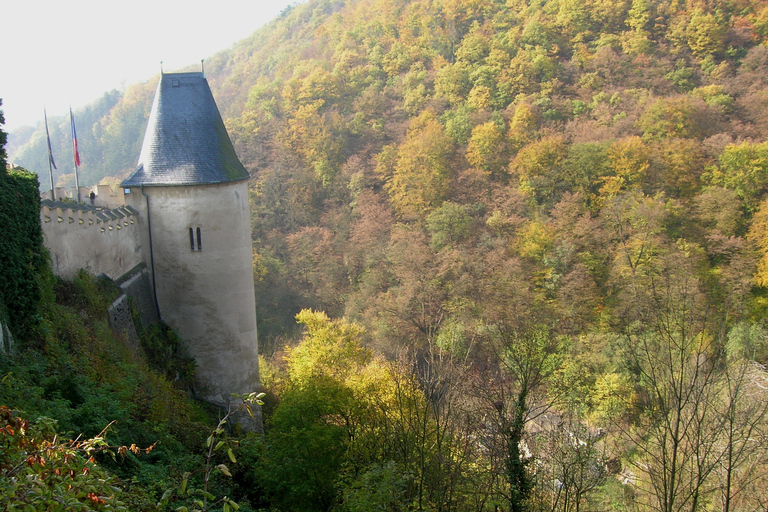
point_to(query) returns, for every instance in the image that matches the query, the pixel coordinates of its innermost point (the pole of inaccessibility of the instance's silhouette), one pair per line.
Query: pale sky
(57, 53)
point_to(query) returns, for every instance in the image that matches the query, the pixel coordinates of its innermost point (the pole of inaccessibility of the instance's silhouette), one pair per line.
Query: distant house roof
(186, 142)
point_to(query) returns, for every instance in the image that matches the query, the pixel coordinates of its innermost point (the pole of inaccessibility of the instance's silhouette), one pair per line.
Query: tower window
(195, 242)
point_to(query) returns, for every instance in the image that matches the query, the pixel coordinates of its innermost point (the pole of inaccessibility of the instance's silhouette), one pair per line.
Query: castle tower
(192, 194)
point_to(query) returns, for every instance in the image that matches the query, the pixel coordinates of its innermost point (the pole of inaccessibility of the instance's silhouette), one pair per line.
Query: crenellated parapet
(104, 218)
(101, 240)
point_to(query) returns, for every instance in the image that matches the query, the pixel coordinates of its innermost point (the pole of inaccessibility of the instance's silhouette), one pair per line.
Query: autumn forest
(509, 255)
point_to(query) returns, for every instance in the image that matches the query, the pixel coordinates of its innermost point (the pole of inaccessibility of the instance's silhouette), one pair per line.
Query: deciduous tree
(422, 173)
(487, 149)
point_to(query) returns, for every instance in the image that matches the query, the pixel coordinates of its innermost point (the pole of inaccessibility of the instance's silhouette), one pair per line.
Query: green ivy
(22, 256)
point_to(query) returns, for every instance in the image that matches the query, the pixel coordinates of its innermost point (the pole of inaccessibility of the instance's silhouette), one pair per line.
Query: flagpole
(50, 154)
(76, 154)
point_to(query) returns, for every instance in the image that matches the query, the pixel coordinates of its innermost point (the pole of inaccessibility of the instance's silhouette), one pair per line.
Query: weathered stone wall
(137, 295)
(101, 241)
(205, 291)
(138, 286)
(6, 340)
(121, 319)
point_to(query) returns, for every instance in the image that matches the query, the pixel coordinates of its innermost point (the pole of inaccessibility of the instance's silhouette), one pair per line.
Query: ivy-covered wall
(22, 256)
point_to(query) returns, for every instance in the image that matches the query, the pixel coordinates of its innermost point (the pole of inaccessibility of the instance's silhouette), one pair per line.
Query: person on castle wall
(93, 196)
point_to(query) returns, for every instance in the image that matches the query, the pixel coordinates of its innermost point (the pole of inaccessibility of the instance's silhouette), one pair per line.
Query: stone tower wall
(205, 287)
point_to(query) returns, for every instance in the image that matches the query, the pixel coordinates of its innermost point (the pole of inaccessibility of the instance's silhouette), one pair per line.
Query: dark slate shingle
(186, 142)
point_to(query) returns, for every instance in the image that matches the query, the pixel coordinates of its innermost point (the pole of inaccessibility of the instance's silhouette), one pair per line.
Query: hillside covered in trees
(538, 232)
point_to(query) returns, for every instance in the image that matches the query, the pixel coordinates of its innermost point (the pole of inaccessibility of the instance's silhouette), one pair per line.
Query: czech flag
(74, 139)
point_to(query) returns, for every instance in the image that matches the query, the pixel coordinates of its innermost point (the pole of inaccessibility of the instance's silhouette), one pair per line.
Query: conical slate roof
(186, 142)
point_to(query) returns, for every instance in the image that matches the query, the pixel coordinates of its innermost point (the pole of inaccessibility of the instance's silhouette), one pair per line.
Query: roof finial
(202, 67)
(161, 67)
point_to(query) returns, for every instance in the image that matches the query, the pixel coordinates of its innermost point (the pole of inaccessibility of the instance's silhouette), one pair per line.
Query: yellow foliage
(421, 174)
(330, 348)
(522, 126)
(758, 235)
(486, 148)
(331, 356)
(629, 159)
(479, 97)
(534, 240)
(260, 270)
(613, 395)
(705, 34)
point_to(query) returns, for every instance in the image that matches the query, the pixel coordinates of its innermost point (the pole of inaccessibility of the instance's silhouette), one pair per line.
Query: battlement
(82, 214)
(100, 240)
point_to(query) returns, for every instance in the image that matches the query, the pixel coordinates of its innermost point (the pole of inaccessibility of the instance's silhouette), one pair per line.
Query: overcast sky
(57, 53)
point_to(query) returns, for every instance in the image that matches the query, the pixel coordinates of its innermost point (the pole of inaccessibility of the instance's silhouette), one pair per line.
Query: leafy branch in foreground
(202, 500)
(40, 472)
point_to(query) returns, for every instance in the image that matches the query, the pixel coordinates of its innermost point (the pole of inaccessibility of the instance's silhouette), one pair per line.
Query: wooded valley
(526, 244)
